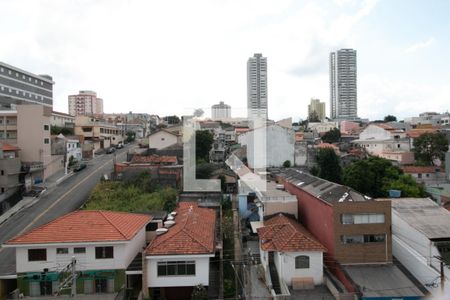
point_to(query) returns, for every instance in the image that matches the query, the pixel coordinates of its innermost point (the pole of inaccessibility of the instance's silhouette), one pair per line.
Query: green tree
(329, 165)
(375, 176)
(313, 117)
(199, 293)
(203, 142)
(332, 136)
(430, 146)
(55, 130)
(130, 136)
(172, 120)
(390, 118)
(287, 164)
(204, 170)
(407, 185)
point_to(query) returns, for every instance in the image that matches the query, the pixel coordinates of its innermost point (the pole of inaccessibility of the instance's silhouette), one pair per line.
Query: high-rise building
(257, 86)
(220, 111)
(316, 109)
(85, 103)
(21, 87)
(343, 88)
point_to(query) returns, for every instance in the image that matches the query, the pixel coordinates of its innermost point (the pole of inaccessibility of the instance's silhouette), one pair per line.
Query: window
(302, 262)
(104, 252)
(369, 218)
(46, 141)
(360, 239)
(79, 250)
(176, 268)
(46, 127)
(62, 250)
(3, 172)
(37, 254)
(419, 175)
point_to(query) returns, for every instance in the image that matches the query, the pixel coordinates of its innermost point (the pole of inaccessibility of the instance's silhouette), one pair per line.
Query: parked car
(120, 146)
(110, 150)
(79, 167)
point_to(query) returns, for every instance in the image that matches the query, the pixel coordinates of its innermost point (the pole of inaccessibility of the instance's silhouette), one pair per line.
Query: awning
(255, 225)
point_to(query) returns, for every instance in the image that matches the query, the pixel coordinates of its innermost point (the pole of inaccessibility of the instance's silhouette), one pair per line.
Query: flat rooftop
(424, 215)
(382, 281)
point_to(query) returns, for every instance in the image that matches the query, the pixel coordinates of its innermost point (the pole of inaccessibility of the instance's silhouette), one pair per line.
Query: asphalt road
(62, 199)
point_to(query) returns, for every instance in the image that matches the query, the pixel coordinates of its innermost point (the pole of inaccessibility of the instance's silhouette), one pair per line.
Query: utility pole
(442, 276)
(74, 278)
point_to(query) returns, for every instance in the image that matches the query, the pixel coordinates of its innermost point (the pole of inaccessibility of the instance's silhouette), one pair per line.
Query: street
(68, 196)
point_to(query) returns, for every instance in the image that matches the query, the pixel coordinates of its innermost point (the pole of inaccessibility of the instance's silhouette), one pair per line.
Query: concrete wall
(201, 271)
(279, 146)
(10, 177)
(162, 139)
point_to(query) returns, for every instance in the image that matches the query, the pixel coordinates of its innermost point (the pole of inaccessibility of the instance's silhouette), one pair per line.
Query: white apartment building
(343, 84)
(220, 111)
(257, 87)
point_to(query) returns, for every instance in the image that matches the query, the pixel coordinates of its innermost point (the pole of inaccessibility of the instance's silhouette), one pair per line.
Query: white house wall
(161, 140)
(123, 255)
(285, 262)
(280, 146)
(201, 271)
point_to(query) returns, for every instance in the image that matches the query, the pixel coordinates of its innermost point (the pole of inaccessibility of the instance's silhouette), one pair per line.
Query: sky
(171, 57)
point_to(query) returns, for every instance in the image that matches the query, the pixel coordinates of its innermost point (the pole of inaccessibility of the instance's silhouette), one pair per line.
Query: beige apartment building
(97, 132)
(28, 127)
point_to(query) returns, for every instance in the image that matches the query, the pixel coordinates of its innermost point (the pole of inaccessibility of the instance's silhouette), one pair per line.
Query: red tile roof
(281, 233)
(420, 169)
(414, 133)
(154, 159)
(8, 147)
(85, 226)
(384, 126)
(193, 232)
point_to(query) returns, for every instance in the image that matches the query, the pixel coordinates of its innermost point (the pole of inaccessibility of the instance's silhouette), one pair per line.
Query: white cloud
(420, 45)
(379, 96)
(173, 56)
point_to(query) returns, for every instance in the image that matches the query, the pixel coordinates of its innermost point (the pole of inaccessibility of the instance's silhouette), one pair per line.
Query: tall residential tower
(343, 89)
(257, 86)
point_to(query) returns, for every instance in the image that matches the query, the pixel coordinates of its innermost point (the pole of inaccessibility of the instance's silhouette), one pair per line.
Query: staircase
(274, 274)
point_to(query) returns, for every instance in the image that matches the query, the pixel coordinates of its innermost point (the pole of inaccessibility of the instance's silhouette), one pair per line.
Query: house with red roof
(290, 254)
(103, 244)
(178, 259)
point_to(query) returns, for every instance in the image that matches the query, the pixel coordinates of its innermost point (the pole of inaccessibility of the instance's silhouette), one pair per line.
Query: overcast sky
(169, 57)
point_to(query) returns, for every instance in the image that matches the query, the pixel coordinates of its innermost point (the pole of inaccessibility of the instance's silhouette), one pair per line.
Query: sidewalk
(47, 186)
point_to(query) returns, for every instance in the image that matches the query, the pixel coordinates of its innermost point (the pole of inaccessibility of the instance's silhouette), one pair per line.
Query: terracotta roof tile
(85, 226)
(421, 169)
(281, 233)
(154, 159)
(414, 133)
(8, 147)
(193, 232)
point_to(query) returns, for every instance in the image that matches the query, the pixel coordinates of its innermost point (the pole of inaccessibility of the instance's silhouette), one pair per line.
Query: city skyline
(400, 64)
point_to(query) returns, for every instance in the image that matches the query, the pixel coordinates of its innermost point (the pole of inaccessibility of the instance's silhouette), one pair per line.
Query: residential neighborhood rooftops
(153, 159)
(192, 233)
(421, 169)
(85, 226)
(282, 233)
(424, 215)
(325, 190)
